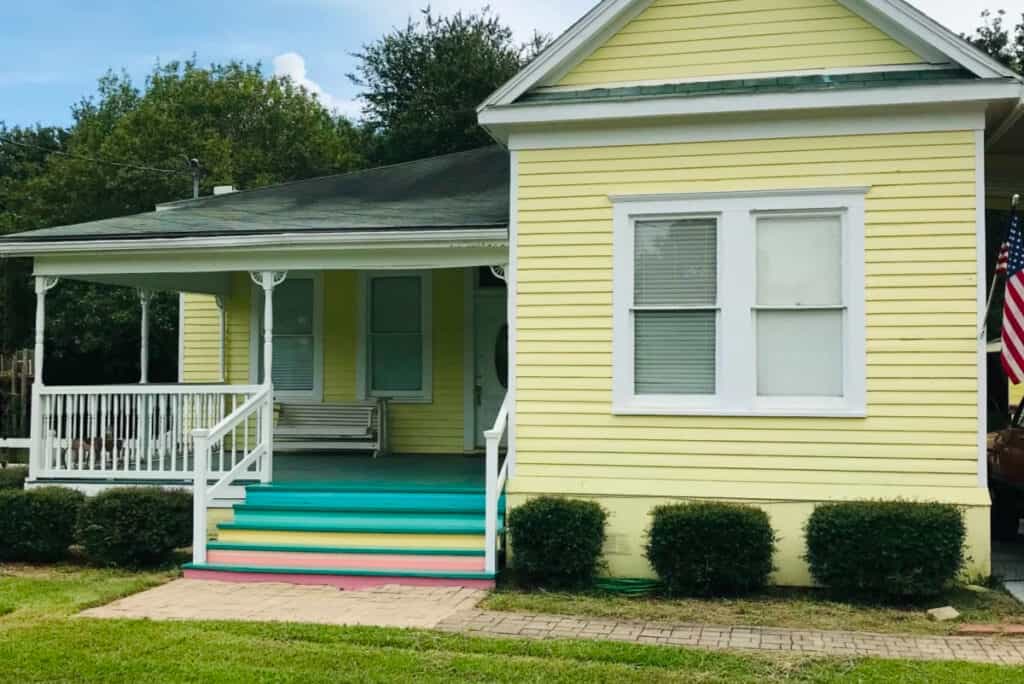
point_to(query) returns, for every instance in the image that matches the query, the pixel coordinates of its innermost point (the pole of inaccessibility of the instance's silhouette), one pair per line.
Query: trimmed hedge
(37, 525)
(710, 548)
(13, 477)
(135, 526)
(886, 549)
(557, 542)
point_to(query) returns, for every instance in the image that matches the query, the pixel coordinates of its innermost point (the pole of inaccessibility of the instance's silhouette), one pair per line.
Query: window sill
(639, 409)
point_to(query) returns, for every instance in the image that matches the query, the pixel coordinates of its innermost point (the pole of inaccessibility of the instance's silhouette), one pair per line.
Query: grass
(41, 640)
(793, 608)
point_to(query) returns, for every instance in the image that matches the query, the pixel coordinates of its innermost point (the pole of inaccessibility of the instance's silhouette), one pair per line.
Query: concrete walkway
(454, 610)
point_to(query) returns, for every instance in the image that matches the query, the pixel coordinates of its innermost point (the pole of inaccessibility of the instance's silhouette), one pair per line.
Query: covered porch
(376, 296)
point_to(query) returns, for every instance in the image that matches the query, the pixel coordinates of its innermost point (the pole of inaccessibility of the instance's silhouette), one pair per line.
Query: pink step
(343, 561)
(345, 582)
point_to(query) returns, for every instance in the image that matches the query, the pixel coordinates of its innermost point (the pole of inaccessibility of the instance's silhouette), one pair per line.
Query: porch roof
(464, 190)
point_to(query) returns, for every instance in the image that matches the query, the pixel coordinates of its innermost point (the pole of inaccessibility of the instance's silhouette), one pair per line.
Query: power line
(94, 160)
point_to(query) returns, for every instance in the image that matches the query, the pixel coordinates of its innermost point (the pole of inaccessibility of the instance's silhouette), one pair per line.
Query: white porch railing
(134, 431)
(494, 485)
(255, 417)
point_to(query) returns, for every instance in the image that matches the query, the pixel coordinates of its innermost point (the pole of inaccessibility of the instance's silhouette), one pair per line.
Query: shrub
(557, 542)
(710, 548)
(37, 525)
(13, 477)
(885, 549)
(135, 526)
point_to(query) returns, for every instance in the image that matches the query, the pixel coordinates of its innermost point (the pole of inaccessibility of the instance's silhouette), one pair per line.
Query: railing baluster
(89, 399)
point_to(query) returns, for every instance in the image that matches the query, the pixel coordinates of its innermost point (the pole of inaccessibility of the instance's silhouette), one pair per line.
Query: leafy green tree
(1003, 42)
(247, 130)
(422, 83)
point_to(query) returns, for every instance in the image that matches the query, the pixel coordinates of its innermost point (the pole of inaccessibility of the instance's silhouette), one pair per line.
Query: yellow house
(727, 250)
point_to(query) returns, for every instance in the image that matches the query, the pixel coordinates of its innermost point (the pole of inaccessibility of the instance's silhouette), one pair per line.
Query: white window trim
(735, 352)
(424, 396)
(256, 331)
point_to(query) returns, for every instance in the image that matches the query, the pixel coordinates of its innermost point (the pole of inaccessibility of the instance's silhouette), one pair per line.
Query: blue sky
(52, 51)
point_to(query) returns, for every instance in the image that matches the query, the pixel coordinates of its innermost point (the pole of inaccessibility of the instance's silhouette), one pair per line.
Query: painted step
(365, 501)
(257, 518)
(319, 538)
(350, 578)
(308, 560)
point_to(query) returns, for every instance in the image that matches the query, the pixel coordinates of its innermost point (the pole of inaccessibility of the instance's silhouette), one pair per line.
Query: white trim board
(980, 249)
(753, 127)
(274, 242)
(930, 40)
(981, 92)
(468, 360)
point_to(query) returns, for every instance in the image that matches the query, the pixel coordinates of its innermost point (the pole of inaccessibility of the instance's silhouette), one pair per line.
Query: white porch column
(144, 297)
(268, 280)
(36, 459)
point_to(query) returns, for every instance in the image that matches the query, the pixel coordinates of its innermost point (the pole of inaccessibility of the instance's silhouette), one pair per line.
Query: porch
(399, 314)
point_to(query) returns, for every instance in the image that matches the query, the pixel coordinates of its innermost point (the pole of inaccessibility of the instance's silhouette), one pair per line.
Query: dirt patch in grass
(788, 608)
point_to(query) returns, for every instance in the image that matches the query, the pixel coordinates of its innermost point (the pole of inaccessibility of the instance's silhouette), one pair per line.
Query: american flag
(1013, 305)
(1004, 256)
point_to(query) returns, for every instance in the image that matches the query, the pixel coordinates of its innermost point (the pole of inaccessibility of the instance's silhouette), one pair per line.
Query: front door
(491, 356)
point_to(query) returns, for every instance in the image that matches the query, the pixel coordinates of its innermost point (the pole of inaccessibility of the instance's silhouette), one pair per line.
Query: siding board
(921, 428)
(673, 40)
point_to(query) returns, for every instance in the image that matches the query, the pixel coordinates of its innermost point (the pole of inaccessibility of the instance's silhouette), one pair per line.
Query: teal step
(271, 498)
(387, 486)
(345, 572)
(230, 546)
(293, 520)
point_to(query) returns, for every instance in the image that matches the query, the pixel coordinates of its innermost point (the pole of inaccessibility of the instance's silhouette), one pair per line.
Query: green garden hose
(628, 586)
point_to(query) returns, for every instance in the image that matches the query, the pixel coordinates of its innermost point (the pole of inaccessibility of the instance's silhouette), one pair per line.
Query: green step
(366, 502)
(354, 572)
(369, 524)
(232, 546)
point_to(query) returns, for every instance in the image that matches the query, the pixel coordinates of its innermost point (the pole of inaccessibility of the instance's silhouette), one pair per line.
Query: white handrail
(494, 482)
(230, 422)
(261, 408)
(150, 388)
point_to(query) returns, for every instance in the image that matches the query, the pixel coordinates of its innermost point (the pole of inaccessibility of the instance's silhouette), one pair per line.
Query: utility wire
(125, 165)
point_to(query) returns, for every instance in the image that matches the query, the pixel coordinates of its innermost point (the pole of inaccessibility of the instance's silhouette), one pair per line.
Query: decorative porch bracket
(268, 280)
(43, 285)
(499, 272)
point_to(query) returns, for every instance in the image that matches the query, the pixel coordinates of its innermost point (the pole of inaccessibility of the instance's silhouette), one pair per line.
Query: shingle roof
(751, 86)
(460, 190)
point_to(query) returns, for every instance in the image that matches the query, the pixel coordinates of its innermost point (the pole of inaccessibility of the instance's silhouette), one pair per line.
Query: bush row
(893, 550)
(129, 527)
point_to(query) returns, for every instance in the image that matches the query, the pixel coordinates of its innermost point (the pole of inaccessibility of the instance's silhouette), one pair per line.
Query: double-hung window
(739, 303)
(396, 348)
(298, 359)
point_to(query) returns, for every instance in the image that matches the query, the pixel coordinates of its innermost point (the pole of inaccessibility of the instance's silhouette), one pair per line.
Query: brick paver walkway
(477, 622)
(454, 610)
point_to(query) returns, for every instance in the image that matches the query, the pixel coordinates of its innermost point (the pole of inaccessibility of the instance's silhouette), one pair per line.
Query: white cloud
(293, 65)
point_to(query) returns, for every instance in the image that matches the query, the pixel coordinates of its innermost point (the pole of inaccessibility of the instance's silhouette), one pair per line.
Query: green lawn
(791, 608)
(41, 640)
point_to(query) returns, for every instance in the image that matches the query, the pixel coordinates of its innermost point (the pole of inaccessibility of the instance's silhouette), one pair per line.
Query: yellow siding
(201, 339)
(686, 39)
(919, 438)
(426, 427)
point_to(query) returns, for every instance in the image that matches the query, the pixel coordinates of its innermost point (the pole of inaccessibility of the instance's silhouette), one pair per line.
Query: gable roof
(897, 18)
(454, 191)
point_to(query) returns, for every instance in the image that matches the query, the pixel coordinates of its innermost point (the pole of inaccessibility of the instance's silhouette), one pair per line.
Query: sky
(53, 51)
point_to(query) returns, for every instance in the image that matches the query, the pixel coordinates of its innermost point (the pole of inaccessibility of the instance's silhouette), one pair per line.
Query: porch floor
(433, 471)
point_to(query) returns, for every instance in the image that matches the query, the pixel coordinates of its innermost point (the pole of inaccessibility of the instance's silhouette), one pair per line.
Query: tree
(999, 40)
(246, 130)
(422, 83)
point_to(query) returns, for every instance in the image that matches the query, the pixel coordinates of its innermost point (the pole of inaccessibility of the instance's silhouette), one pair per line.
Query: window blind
(674, 306)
